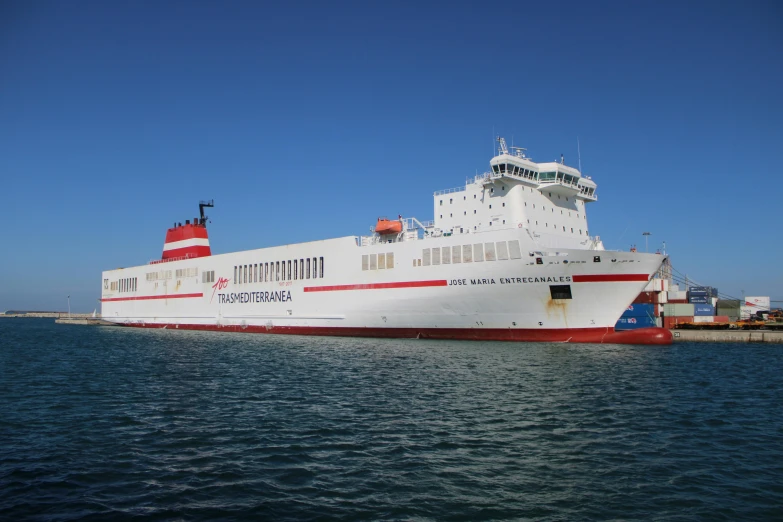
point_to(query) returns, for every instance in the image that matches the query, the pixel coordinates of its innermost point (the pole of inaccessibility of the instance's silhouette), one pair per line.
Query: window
(365, 262)
(436, 256)
(446, 256)
(321, 267)
(289, 271)
(467, 254)
(277, 270)
(235, 275)
(266, 272)
(296, 269)
(514, 251)
(308, 268)
(560, 291)
(425, 257)
(389, 260)
(456, 256)
(441, 202)
(502, 250)
(381, 261)
(478, 252)
(489, 251)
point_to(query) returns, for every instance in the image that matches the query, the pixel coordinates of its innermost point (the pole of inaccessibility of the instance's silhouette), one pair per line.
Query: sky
(305, 121)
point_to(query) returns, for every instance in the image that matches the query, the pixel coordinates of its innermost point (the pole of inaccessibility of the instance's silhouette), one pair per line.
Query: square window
(560, 291)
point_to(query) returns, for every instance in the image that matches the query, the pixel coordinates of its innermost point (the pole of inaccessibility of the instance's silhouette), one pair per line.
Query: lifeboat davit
(388, 226)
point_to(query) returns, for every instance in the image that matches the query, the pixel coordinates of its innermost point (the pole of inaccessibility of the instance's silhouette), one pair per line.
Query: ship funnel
(189, 240)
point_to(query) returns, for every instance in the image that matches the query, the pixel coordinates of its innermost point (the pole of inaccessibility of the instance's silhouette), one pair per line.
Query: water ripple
(100, 423)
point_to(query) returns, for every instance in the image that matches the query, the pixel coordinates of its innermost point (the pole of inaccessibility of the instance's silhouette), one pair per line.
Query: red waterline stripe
(566, 335)
(376, 286)
(610, 278)
(148, 297)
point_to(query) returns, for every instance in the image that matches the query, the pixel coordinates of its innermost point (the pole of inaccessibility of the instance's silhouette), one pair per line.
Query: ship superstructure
(508, 256)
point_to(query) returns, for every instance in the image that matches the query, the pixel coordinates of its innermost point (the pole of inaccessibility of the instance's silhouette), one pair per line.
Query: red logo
(222, 283)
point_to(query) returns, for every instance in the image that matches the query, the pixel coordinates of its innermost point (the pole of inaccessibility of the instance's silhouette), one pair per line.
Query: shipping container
(678, 295)
(631, 323)
(678, 301)
(640, 310)
(761, 303)
(704, 290)
(703, 319)
(703, 309)
(657, 285)
(647, 298)
(722, 319)
(699, 300)
(748, 312)
(729, 303)
(678, 310)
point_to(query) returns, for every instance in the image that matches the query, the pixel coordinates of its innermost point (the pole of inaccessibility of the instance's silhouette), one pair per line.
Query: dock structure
(727, 336)
(84, 321)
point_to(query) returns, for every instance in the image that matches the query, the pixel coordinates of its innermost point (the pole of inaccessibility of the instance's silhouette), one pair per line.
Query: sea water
(111, 423)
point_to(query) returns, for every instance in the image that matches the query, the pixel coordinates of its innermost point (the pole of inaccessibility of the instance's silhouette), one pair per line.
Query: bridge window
(496, 169)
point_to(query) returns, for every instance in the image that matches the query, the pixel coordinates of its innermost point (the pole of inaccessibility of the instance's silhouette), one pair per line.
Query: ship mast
(201, 205)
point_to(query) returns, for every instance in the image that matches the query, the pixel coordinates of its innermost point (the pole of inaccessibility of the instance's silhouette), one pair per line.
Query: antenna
(502, 149)
(579, 154)
(201, 205)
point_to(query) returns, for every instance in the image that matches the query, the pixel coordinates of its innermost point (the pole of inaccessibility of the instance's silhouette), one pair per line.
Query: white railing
(449, 191)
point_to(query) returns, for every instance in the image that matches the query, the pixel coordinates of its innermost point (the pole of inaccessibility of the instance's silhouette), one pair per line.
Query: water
(99, 423)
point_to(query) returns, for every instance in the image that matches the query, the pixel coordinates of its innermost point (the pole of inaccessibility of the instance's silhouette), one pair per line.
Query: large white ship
(507, 257)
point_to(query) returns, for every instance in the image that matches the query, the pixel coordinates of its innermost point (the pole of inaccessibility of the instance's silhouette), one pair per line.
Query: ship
(508, 256)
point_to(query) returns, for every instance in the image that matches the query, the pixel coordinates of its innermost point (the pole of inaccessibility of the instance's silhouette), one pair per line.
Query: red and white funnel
(189, 240)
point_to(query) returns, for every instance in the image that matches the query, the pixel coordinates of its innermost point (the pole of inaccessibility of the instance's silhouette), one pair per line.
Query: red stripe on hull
(659, 336)
(610, 278)
(375, 286)
(149, 297)
(191, 252)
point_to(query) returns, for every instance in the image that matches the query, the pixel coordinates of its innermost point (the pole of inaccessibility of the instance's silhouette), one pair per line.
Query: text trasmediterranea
(281, 296)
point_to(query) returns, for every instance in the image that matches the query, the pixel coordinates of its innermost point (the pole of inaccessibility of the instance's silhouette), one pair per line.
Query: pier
(727, 336)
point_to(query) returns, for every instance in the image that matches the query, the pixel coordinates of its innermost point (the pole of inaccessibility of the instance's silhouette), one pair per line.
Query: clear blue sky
(305, 121)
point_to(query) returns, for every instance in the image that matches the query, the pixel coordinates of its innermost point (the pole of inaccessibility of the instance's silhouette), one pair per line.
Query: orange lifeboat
(388, 226)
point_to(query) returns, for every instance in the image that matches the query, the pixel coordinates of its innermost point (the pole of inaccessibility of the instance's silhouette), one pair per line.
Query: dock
(727, 336)
(84, 321)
